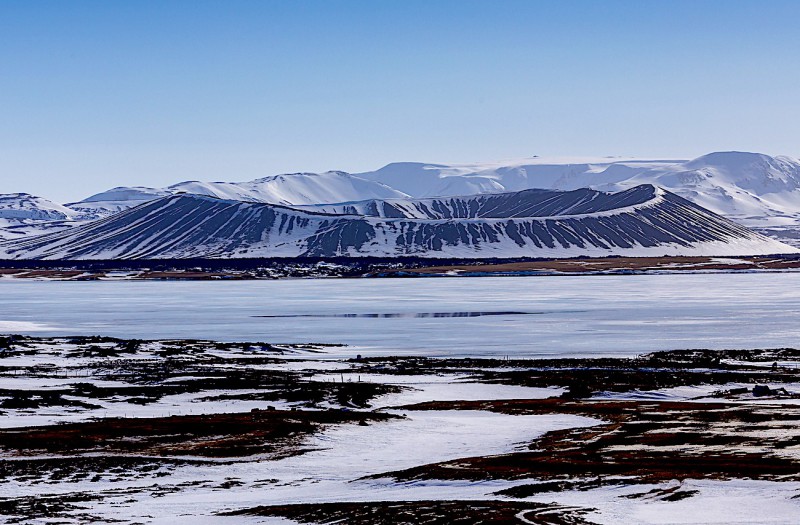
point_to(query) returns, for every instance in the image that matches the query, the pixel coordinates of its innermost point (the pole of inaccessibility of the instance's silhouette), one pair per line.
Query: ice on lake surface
(585, 315)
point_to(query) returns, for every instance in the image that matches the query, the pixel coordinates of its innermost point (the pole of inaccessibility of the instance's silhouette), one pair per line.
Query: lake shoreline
(482, 317)
(269, 269)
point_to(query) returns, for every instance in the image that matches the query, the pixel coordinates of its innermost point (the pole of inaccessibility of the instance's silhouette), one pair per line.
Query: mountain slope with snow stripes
(640, 221)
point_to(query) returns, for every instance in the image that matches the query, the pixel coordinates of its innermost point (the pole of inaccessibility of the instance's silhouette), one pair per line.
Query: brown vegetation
(424, 513)
(273, 432)
(643, 441)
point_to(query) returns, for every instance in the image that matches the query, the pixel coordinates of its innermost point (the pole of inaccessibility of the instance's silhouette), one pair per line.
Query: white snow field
(741, 501)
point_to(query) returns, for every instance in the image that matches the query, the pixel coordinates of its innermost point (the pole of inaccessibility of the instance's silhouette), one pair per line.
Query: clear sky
(95, 94)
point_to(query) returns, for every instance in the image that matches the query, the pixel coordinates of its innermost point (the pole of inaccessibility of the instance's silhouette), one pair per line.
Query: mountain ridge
(286, 189)
(643, 220)
(754, 189)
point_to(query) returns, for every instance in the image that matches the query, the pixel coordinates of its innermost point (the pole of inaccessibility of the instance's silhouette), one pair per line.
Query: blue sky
(99, 94)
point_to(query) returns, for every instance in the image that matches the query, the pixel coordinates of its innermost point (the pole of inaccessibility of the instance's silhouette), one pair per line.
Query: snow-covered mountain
(295, 188)
(525, 203)
(113, 201)
(286, 189)
(42, 216)
(751, 188)
(643, 220)
(26, 207)
(754, 189)
(22, 214)
(435, 180)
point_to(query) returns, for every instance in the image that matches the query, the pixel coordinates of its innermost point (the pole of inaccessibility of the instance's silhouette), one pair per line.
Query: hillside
(286, 189)
(639, 221)
(753, 189)
(22, 214)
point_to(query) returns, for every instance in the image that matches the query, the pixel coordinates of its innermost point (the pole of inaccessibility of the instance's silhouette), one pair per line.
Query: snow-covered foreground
(344, 455)
(331, 469)
(715, 502)
(431, 424)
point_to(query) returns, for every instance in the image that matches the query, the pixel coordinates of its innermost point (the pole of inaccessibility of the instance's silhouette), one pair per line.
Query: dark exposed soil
(51, 508)
(178, 367)
(58, 469)
(586, 377)
(618, 265)
(274, 268)
(274, 432)
(424, 513)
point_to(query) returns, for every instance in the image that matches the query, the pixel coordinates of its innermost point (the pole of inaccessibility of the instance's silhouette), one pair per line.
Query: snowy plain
(341, 462)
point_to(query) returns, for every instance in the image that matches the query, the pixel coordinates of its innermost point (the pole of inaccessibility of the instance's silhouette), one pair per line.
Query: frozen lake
(482, 316)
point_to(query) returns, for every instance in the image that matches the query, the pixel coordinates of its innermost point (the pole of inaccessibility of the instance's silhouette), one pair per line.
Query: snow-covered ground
(741, 501)
(345, 462)
(339, 458)
(331, 469)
